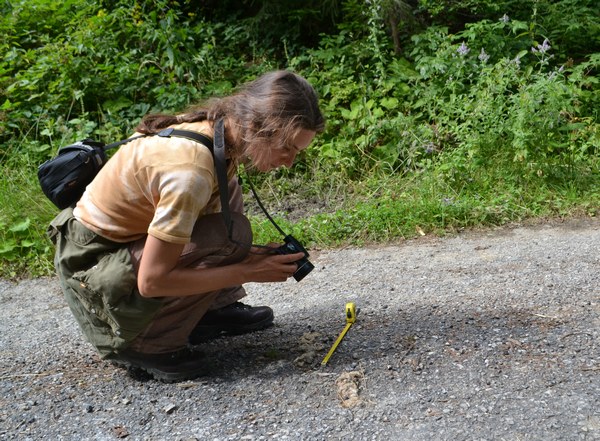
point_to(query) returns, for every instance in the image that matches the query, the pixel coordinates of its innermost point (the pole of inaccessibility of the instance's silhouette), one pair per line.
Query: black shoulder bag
(63, 178)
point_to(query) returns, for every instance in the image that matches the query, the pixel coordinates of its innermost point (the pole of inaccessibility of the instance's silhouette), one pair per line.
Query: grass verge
(381, 209)
(386, 209)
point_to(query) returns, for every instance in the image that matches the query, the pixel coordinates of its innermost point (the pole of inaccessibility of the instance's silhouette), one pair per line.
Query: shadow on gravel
(431, 335)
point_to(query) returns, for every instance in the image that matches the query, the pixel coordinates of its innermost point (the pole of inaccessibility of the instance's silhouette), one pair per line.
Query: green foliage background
(441, 114)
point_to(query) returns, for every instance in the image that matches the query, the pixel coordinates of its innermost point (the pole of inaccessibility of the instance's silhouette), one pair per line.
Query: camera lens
(304, 267)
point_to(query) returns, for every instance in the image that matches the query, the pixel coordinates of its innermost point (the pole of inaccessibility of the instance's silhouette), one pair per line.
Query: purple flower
(556, 72)
(541, 48)
(483, 56)
(429, 147)
(463, 49)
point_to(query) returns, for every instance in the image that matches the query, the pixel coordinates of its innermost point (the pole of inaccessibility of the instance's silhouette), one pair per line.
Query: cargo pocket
(78, 234)
(108, 290)
(55, 227)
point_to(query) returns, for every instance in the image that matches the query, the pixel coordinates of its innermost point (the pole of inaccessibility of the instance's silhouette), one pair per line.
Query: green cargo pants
(99, 284)
(98, 278)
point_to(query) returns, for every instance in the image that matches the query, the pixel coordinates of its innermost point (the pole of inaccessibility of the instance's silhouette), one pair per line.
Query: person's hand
(262, 266)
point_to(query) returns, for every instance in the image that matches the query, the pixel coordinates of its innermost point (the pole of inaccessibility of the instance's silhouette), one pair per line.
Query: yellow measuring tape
(350, 319)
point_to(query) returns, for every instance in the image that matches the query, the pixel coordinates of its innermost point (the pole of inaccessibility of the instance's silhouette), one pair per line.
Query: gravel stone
(485, 335)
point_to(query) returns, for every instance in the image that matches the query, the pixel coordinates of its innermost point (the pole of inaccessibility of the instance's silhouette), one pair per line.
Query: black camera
(292, 246)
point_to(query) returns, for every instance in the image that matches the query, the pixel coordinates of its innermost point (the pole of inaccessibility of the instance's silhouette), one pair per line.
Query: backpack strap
(221, 167)
(167, 133)
(188, 134)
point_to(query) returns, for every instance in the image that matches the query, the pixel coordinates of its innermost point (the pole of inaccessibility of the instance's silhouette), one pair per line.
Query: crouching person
(145, 260)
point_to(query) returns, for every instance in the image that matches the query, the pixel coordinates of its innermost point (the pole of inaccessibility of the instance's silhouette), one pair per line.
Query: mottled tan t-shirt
(153, 185)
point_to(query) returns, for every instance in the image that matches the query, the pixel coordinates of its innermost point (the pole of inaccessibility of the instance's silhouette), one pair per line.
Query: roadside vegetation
(440, 115)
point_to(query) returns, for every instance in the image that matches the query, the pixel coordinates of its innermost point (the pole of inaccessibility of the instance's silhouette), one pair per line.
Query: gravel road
(486, 335)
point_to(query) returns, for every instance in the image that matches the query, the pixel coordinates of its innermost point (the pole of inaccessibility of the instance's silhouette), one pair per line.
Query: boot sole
(157, 374)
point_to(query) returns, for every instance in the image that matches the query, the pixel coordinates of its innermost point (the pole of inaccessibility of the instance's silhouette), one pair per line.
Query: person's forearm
(189, 281)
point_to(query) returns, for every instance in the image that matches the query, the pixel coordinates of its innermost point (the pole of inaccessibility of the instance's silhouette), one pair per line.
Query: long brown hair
(279, 102)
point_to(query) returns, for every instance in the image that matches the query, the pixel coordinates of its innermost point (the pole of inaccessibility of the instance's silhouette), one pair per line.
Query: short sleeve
(181, 197)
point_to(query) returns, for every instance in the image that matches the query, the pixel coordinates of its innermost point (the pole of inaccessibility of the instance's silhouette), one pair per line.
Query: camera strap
(261, 206)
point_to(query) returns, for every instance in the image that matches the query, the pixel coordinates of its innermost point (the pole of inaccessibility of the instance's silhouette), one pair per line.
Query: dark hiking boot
(233, 319)
(180, 365)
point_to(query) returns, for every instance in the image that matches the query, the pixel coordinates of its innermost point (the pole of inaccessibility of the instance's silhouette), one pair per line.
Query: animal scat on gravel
(348, 384)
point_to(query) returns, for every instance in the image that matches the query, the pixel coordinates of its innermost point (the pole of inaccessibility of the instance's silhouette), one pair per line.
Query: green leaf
(118, 104)
(7, 247)
(41, 148)
(21, 226)
(389, 103)
(521, 54)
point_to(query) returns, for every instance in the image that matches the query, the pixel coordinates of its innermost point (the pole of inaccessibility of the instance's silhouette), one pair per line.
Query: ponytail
(156, 122)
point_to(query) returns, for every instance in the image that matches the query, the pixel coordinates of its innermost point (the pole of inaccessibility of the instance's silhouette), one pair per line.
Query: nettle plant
(496, 93)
